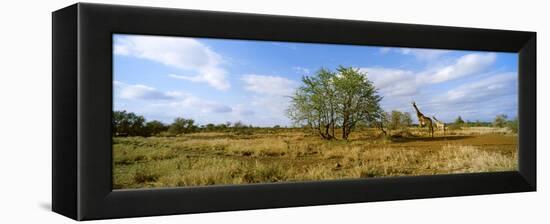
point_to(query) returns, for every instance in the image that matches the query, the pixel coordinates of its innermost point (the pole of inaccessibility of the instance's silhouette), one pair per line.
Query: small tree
(396, 120)
(477, 123)
(120, 122)
(500, 120)
(239, 125)
(240, 128)
(128, 124)
(182, 126)
(314, 104)
(406, 119)
(458, 121)
(210, 127)
(221, 127)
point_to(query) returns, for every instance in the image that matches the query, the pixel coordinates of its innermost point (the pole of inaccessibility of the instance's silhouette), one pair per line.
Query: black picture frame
(82, 108)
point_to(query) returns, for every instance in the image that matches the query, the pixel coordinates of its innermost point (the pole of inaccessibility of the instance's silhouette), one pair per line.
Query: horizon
(292, 125)
(220, 80)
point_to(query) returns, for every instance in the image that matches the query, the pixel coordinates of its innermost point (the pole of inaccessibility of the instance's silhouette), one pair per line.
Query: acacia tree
(313, 103)
(357, 99)
(328, 100)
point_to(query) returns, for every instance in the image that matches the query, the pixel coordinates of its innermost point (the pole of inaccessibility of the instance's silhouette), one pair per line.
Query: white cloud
(148, 100)
(301, 70)
(400, 86)
(271, 109)
(215, 77)
(423, 54)
(270, 85)
(392, 82)
(270, 99)
(121, 49)
(182, 53)
(491, 87)
(190, 102)
(399, 82)
(466, 65)
(418, 53)
(482, 99)
(241, 110)
(140, 92)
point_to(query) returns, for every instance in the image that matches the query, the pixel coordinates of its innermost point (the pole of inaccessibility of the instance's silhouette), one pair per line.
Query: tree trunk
(381, 127)
(344, 129)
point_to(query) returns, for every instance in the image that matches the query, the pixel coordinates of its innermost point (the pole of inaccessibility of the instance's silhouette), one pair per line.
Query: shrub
(182, 126)
(513, 125)
(500, 120)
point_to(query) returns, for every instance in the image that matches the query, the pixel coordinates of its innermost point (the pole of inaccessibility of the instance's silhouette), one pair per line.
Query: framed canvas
(170, 111)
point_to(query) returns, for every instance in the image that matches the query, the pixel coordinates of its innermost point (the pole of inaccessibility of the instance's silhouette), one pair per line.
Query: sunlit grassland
(277, 155)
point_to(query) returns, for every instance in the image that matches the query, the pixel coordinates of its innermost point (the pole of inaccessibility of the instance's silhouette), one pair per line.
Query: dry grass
(291, 155)
(480, 131)
(468, 159)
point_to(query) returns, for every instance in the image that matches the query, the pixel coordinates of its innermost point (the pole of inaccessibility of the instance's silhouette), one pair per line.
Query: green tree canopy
(399, 120)
(328, 100)
(154, 127)
(182, 126)
(127, 124)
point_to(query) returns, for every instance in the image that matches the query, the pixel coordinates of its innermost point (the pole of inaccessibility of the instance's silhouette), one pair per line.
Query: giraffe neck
(418, 114)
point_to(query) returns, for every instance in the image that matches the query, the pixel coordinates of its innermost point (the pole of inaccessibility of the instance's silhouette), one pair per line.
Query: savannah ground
(283, 154)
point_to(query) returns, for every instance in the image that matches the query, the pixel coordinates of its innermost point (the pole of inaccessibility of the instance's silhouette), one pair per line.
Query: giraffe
(423, 120)
(439, 124)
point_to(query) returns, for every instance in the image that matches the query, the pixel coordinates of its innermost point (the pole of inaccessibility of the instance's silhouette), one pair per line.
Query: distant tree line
(500, 121)
(130, 124)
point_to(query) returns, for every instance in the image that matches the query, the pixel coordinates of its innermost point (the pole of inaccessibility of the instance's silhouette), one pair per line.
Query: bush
(182, 126)
(241, 129)
(500, 120)
(143, 175)
(399, 120)
(513, 125)
(154, 128)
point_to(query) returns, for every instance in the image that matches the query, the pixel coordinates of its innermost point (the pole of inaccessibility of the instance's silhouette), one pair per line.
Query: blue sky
(219, 80)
